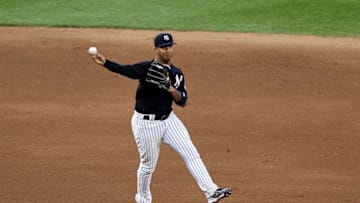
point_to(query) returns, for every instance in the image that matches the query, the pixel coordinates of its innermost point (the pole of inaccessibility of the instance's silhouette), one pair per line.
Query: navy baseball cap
(163, 39)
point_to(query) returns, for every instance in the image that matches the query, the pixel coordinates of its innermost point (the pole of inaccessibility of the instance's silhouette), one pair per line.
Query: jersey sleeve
(133, 71)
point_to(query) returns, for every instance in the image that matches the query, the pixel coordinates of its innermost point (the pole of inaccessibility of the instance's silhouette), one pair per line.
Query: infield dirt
(275, 117)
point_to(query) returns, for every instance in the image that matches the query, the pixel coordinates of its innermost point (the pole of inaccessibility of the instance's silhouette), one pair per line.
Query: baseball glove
(158, 74)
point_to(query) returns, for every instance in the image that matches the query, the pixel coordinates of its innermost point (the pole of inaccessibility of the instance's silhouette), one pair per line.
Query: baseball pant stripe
(178, 138)
(148, 135)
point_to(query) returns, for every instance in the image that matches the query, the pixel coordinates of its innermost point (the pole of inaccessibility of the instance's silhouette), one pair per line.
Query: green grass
(310, 17)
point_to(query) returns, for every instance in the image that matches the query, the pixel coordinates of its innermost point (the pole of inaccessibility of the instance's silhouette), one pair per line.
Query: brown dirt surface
(275, 117)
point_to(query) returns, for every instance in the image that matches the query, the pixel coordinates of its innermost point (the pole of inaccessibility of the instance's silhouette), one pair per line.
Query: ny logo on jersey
(178, 80)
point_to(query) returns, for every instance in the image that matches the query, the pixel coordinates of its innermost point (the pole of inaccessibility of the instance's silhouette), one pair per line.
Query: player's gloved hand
(158, 74)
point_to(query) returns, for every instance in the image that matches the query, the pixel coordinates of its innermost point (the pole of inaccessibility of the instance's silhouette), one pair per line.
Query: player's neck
(162, 61)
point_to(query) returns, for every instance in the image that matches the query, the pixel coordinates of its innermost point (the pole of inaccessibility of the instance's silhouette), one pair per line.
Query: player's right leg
(147, 135)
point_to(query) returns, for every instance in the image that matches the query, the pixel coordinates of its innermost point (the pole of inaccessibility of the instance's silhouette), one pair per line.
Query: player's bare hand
(174, 93)
(98, 58)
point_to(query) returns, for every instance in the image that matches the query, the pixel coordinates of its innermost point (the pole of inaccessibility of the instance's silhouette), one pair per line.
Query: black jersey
(149, 98)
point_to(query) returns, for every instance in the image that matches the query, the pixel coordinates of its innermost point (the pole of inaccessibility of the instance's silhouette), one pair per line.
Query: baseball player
(160, 84)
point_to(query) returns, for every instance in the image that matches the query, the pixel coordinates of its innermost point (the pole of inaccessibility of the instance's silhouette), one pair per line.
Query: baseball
(92, 50)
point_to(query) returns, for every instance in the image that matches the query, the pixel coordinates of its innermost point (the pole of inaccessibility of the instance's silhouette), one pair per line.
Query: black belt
(157, 117)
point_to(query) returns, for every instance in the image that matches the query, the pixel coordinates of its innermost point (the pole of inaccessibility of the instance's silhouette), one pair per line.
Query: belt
(155, 117)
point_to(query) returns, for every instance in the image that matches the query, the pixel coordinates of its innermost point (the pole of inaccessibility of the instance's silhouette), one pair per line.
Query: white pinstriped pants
(148, 135)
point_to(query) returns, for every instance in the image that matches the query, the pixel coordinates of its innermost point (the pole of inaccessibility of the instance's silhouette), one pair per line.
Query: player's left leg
(178, 138)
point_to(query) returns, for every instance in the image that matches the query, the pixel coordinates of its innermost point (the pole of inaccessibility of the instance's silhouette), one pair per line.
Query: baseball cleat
(219, 194)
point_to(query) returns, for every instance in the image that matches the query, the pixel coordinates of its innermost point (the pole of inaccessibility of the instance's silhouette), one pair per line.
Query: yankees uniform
(154, 122)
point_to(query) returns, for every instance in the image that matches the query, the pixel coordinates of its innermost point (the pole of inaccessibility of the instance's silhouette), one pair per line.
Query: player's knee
(147, 169)
(191, 157)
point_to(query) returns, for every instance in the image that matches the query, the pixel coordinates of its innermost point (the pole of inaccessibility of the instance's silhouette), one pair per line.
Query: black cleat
(219, 194)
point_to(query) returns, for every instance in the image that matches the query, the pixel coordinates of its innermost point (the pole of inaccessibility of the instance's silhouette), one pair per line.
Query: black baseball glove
(158, 74)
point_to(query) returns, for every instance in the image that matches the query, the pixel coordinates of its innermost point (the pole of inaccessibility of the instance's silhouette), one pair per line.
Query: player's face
(164, 54)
